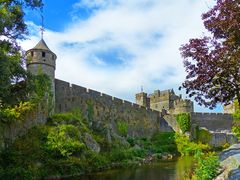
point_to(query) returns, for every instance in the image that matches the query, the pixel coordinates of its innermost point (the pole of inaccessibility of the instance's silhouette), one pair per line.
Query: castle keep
(166, 100)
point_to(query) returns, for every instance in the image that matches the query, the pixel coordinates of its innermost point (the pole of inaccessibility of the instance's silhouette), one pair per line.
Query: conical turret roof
(42, 45)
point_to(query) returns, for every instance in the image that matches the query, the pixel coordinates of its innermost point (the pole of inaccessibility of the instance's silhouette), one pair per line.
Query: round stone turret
(41, 59)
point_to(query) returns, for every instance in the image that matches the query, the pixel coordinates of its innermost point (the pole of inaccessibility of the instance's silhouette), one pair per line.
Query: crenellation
(213, 121)
(166, 99)
(135, 105)
(93, 93)
(78, 89)
(127, 104)
(117, 100)
(107, 97)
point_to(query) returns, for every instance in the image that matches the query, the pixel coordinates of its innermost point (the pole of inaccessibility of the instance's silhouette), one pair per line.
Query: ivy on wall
(203, 135)
(236, 122)
(90, 110)
(183, 121)
(38, 87)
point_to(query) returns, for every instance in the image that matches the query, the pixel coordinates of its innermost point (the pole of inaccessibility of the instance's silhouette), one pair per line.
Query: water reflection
(162, 170)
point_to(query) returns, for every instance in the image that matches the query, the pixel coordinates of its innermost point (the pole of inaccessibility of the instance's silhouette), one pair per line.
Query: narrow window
(32, 53)
(43, 54)
(53, 57)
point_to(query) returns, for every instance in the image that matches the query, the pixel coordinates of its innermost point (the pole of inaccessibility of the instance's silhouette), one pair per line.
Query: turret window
(43, 54)
(32, 53)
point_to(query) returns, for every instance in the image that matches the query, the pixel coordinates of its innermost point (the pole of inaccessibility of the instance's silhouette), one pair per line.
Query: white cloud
(148, 34)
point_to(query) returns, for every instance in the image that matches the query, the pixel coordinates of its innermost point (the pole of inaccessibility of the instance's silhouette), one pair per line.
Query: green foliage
(131, 141)
(207, 166)
(13, 88)
(57, 148)
(164, 142)
(8, 115)
(19, 90)
(97, 161)
(203, 135)
(90, 110)
(73, 117)
(183, 121)
(38, 86)
(124, 154)
(14, 172)
(64, 140)
(236, 131)
(122, 128)
(21, 160)
(186, 147)
(236, 122)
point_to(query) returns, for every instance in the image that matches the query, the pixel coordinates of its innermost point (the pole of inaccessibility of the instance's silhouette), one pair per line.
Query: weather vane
(42, 25)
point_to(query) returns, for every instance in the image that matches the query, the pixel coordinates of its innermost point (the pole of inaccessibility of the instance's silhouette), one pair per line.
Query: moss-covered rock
(91, 143)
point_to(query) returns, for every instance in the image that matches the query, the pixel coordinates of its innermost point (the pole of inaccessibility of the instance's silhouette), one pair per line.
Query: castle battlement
(166, 100)
(72, 91)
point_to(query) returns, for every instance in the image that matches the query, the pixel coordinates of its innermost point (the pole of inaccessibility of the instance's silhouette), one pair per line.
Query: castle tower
(142, 99)
(41, 59)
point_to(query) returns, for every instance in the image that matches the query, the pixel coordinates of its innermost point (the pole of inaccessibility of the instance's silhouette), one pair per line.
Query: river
(161, 170)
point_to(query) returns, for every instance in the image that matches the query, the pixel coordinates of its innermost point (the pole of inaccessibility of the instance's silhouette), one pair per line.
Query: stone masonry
(166, 100)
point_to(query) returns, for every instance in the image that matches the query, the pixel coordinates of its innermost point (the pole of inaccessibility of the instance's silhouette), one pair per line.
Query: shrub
(183, 121)
(185, 147)
(121, 154)
(73, 117)
(236, 131)
(122, 128)
(203, 135)
(64, 140)
(207, 166)
(11, 114)
(131, 141)
(236, 123)
(164, 142)
(97, 161)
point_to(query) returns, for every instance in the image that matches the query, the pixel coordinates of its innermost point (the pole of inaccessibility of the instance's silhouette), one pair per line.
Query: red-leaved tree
(212, 62)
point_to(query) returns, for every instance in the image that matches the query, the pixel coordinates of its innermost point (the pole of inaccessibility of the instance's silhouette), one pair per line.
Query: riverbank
(68, 145)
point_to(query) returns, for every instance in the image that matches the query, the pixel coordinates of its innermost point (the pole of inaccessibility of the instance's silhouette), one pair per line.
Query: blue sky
(117, 46)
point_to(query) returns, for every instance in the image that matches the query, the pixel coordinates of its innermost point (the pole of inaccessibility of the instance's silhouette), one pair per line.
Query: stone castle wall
(106, 109)
(101, 110)
(213, 121)
(9, 132)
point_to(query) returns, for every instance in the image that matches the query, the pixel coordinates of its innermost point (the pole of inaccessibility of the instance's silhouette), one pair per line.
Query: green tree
(17, 86)
(13, 78)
